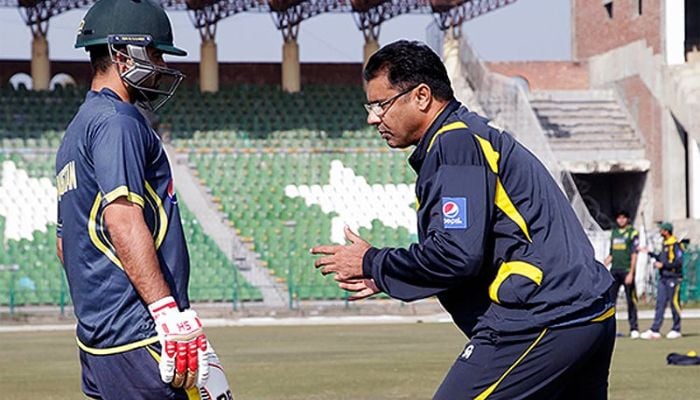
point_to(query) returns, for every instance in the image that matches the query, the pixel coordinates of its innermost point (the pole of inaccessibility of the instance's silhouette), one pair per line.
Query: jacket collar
(418, 156)
(671, 240)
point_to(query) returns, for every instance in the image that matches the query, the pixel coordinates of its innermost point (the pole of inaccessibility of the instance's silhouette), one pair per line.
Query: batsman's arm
(135, 248)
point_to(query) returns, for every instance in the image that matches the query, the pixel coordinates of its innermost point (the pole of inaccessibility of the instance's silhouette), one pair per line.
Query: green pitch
(338, 362)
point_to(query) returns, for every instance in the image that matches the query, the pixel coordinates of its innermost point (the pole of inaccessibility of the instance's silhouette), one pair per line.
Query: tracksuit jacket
(498, 242)
(671, 256)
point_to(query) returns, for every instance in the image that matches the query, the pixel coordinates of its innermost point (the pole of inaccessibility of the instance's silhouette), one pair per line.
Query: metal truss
(37, 13)
(206, 14)
(287, 15)
(370, 20)
(454, 17)
(287, 20)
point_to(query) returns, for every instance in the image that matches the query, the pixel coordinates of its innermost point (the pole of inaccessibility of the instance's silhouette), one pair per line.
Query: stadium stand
(264, 137)
(257, 111)
(28, 240)
(280, 197)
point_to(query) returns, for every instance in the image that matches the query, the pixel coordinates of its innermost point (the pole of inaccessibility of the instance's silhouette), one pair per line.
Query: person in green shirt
(624, 243)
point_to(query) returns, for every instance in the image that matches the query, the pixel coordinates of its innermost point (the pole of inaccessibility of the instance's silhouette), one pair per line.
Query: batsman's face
(393, 113)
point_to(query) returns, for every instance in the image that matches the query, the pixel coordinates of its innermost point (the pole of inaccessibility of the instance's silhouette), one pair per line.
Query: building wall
(546, 75)
(646, 112)
(594, 32)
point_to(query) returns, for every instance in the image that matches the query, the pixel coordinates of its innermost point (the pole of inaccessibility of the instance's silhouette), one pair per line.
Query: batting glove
(184, 358)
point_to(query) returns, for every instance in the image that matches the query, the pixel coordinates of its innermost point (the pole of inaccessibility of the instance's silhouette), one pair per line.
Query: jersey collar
(418, 155)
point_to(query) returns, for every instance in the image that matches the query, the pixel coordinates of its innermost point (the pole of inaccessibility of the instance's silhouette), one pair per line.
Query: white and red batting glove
(184, 358)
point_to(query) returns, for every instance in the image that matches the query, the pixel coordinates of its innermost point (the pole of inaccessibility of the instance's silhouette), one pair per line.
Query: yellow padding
(117, 349)
(486, 393)
(449, 127)
(514, 267)
(605, 315)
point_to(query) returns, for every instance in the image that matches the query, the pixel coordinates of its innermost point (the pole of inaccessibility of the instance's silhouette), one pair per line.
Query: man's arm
(59, 248)
(608, 260)
(629, 279)
(135, 248)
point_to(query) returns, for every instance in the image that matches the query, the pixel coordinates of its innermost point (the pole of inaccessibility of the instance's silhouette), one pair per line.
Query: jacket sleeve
(456, 206)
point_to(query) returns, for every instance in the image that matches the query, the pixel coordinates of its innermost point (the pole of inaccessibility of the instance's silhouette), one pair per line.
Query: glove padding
(184, 358)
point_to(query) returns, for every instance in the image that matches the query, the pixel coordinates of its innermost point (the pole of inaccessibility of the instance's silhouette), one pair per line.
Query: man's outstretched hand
(362, 288)
(345, 261)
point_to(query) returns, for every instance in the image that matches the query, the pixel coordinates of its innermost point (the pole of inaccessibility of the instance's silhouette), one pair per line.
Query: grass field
(371, 362)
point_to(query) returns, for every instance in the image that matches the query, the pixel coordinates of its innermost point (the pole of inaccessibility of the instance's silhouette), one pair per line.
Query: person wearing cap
(120, 238)
(669, 262)
(624, 243)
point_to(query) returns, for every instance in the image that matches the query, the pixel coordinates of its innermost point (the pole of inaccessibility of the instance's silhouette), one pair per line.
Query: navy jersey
(110, 152)
(499, 243)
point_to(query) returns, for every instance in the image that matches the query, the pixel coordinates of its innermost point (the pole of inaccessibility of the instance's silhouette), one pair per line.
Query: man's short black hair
(622, 213)
(409, 63)
(100, 59)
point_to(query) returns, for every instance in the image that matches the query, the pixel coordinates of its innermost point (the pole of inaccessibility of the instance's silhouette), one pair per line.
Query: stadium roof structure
(287, 13)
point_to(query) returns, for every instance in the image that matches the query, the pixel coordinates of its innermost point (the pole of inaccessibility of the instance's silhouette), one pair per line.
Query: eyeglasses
(380, 107)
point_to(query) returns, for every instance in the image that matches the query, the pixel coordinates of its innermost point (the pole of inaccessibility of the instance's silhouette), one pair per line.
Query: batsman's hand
(184, 358)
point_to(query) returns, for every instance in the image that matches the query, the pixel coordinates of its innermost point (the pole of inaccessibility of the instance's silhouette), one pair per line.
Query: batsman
(120, 238)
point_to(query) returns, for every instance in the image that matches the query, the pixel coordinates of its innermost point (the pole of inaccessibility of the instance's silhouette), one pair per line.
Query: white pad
(216, 387)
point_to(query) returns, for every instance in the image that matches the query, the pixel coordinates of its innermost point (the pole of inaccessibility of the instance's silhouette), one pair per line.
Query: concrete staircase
(682, 92)
(214, 224)
(588, 131)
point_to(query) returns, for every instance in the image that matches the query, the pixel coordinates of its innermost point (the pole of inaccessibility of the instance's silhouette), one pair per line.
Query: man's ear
(122, 62)
(424, 97)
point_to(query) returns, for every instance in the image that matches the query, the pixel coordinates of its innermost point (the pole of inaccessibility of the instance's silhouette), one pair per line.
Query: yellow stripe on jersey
(505, 204)
(486, 393)
(514, 268)
(161, 216)
(608, 314)
(95, 239)
(491, 155)
(449, 127)
(117, 349)
(501, 198)
(677, 298)
(123, 191)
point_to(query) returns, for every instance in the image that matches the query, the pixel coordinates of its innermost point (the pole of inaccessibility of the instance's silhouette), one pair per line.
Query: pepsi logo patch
(454, 212)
